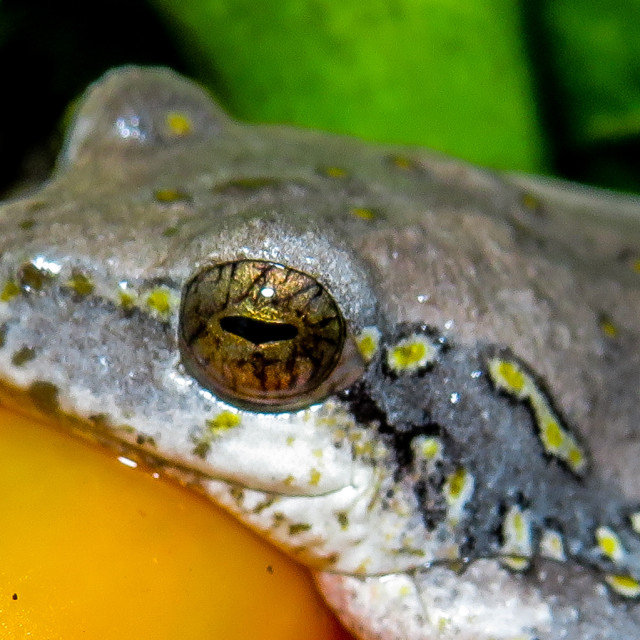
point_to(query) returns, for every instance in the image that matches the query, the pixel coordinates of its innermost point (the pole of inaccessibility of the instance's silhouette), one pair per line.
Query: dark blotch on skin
(45, 397)
(31, 278)
(22, 356)
(365, 410)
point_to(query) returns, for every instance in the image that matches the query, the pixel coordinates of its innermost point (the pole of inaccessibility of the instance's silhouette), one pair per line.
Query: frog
(417, 377)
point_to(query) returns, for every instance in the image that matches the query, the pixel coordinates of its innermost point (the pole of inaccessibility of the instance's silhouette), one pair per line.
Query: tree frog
(417, 377)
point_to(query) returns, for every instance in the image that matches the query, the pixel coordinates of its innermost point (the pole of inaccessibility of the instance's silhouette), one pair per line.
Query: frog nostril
(258, 331)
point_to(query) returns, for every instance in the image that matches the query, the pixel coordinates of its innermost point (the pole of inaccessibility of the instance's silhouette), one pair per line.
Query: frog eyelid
(136, 109)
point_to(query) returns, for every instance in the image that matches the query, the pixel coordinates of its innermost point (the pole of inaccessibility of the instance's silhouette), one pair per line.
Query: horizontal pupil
(258, 331)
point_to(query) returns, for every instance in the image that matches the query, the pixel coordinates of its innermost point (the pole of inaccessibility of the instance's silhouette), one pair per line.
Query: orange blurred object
(91, 548)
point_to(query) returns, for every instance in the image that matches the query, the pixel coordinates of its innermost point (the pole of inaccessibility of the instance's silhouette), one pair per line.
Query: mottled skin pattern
(422, 494)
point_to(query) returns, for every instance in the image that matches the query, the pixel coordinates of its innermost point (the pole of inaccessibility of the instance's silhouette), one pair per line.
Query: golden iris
(260, 334)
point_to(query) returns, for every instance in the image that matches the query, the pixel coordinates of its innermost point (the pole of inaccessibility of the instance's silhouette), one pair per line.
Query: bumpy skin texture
(472, 474)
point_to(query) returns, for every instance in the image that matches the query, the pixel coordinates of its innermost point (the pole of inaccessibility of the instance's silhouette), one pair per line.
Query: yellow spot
(127, 299)
(290, 440)
(431, 447)
(314, 477)
(508, 376)
(610, 544)
(634, 519)
(411, 354)
(516, 533)
(361, 569)
(515, 563)
(403, 162)
(223, 422)
(518, 526)
(363, 213)
(576, 459)
(455, 483)
(608, 327)
(636, 265)
(368, 343)
(170, 195)
(551, 435)
(405, 590)
(458, 489)
(530, 201)
(623, 585)
(289, 481)
(179, 123)
(160, 301)
(81, 284)
(9, 291)
(317, 453)
(551, 545)
(336, 172)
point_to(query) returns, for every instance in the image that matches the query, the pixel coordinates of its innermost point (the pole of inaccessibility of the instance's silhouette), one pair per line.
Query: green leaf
(594, 47)
(442, 73)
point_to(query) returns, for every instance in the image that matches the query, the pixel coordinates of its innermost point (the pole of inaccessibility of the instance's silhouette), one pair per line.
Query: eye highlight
(261, 335)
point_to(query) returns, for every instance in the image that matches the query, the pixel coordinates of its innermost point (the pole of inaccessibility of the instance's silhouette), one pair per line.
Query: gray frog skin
(465, 465)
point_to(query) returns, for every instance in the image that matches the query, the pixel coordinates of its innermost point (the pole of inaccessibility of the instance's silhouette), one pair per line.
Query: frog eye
(263, 336)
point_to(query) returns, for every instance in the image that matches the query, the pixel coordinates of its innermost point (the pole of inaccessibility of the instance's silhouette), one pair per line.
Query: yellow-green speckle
(411, 354)
(9, 291)
(169, 196)
(458, 489)
(363, 213)
(335, 172)
(608, 328)
(634, 521)
(224, 421)
(80, 283)
(507, 375)
(552, 546)
(264, 504)
(160, 301)
(368, 343)
(431, 448)
(517, 538)
(404, 162)
(610, 544)
(215, 427)
(298, 527)
(127, 297)
(169, 232)
(343, 520)
(529, 201)
(314, 477)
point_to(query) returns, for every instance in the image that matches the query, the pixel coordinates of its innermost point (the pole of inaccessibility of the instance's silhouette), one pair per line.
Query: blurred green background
(545, 86)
